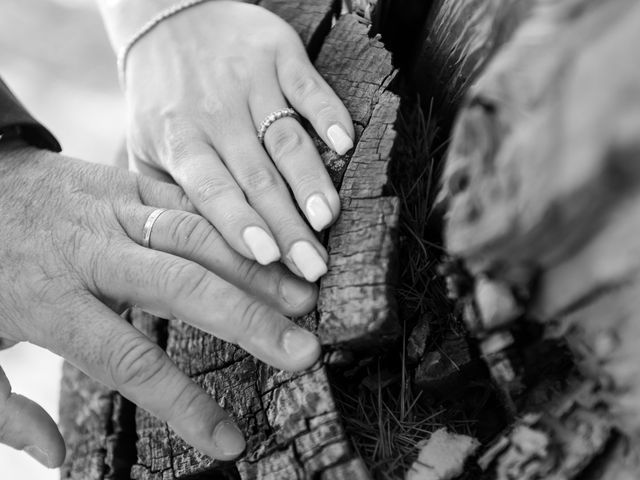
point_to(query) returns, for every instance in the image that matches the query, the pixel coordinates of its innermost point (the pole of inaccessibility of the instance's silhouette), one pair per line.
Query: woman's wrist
(124, 18)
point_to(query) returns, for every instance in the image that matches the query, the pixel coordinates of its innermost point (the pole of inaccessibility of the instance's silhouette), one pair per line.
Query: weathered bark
(542, 184)
(85, 419)
(356, 302)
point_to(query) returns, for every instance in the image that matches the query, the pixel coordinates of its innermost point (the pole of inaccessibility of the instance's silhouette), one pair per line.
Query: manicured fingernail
(340, 139)
(318, 212)
(308, 260)
(262, 246)
(39, 454)
(299, 343)
(294, 291)
(229, 438)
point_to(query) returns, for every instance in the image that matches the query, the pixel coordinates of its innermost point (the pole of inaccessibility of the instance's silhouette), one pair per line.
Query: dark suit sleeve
(13, 114)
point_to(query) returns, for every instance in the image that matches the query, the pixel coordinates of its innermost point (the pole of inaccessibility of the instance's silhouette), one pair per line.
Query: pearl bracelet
(146, 28)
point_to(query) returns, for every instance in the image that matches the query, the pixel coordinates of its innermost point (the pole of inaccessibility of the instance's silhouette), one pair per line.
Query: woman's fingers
(24, 425)
(163, 195)
(310, 95)
(192, 237)
(176, 288)
(267, 193)
(107, 348)
(217, 196)
(296, 157)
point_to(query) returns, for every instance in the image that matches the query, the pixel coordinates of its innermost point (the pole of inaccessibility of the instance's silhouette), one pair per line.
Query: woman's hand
(198, 86)
(71, 261)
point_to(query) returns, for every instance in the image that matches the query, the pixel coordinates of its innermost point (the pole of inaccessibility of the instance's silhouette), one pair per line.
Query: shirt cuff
(13, 114)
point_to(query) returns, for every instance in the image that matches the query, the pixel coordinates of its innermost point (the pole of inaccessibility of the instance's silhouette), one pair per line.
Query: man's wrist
(15, 148)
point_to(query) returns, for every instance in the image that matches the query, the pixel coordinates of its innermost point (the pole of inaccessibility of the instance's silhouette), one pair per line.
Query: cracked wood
(290, 420)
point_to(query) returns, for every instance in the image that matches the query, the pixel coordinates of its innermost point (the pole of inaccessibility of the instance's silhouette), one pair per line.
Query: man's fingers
(176, 288)
(310, 95)
(24, 425)
(192, 237)
(107, 348)
(296, 157)
(267, 193)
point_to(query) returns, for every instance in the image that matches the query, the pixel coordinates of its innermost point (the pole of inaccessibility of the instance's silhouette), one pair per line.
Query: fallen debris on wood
(443, 456)
(542, 184)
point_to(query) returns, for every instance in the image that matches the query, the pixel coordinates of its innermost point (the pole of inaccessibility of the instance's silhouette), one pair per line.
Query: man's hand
(71, 260)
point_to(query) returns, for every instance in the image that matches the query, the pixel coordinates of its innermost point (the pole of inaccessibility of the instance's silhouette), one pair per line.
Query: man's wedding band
(148, 226)
(272, 118)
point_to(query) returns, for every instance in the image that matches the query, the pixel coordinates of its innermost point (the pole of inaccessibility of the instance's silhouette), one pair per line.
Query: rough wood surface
(542, 183)
(85, 418)
(292, 426)
(356, 303)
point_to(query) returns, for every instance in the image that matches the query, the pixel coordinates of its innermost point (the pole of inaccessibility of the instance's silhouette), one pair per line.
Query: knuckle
(210, 189)
(186, 280)
(304, 86)
(283, 140)
(190, 231)
(214, 107)
(135, 362)
(307, 181)
(260, 180)
(248, 270)
(188, 406)
(232, 221)
(178, 133)
(251, 320)
(182, 201)
(326, 112)
(291, 228)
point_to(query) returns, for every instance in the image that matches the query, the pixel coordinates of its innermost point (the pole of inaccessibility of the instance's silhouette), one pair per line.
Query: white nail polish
(340, 139)
(308, 260)
(318, 212)
(262, 246)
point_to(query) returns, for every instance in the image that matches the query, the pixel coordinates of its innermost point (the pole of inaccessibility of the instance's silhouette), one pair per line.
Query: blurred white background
(55, 56)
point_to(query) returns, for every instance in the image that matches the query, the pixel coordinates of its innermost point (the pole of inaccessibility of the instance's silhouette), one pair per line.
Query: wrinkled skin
(71, 261)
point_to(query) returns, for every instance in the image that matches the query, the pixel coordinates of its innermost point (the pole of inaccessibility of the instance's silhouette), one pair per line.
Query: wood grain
(356, 303)
(292, 427)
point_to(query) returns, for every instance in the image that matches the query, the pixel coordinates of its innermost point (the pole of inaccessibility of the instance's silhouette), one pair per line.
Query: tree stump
(290, 420)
